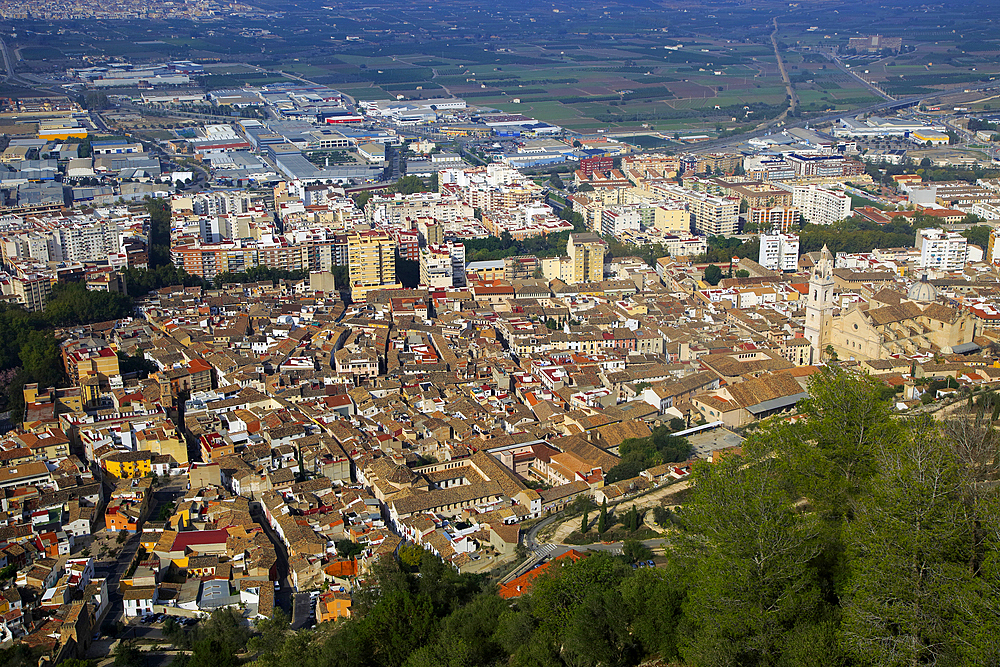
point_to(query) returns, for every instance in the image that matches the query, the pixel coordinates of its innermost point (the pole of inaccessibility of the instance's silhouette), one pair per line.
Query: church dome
(922, 291)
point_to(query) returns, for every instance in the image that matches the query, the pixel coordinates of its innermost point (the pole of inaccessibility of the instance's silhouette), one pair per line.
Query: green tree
(220, 638)
(362, 198)
(410, 555)
(77, 662)
(713, 274)
(635, 551)
(908, 556)
(139, 365)
(978, 235)
(602, 520)
(269, 640)
(409, 185)
(127, 654)
(585, 522)
(750, 558)
(348, 548)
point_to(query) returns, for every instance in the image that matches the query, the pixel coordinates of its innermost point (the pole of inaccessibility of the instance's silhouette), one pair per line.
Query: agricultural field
(678, 66)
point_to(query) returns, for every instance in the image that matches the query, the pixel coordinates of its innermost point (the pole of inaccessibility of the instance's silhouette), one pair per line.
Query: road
(296, 605)
(113, 569)
(857, 77)
(543, 550)
(793, 97)
(282, 597)
(6, 62)
(767, 128)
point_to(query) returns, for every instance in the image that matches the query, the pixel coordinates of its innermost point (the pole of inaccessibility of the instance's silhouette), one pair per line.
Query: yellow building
(672, 219)
(84, 362)
(586, 253)
(163, 440)
(65, 400)
(129, 465)
(936, 138)
(371, 259)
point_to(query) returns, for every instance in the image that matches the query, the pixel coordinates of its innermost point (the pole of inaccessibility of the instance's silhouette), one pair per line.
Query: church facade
(889, 324)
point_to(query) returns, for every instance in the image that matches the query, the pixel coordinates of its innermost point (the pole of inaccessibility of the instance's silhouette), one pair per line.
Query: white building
(818, 205)
(617, 220)
(941, 250)
(219, 203)
(685, 246)
(442, 265)
(779, 252)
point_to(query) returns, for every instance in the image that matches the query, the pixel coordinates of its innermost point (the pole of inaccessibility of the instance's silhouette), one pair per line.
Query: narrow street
(283, 596)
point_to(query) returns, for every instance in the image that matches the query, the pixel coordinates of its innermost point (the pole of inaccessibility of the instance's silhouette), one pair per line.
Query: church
(890, 324)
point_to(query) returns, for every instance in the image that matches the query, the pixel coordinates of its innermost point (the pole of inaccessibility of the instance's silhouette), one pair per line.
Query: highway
(10, 77)
(857, 77)
(913, 100)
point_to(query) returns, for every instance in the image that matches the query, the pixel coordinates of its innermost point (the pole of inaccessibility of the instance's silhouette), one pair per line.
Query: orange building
(333, 605)
(214, 446)
(518, 587)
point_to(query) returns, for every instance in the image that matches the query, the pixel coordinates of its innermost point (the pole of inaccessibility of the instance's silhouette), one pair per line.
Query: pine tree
(602, 521)
(586, 521)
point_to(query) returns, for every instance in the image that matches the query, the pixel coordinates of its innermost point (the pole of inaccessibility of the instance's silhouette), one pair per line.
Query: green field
(583, 67)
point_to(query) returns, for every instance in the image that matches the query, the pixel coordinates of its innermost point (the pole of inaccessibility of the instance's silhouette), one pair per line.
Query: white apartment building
(617, 220)
(442, 266)
(75, 242)
(399, 208)
(941, 250)
(220, 203)
(818, 205)
(779, 252)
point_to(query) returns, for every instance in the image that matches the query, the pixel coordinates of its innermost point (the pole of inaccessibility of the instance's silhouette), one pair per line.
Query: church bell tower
(819, 304)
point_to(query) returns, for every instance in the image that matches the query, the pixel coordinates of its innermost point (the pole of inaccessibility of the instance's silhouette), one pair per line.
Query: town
(290, 334)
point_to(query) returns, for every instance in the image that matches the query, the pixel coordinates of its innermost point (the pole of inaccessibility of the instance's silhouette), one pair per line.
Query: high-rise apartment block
(442, 265)
(779, 252)
(782, 219)
(941, 250)
(371, 263)
(818, 205)
(586, 253)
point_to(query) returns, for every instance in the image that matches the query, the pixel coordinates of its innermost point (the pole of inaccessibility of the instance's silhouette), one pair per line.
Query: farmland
(674, 67)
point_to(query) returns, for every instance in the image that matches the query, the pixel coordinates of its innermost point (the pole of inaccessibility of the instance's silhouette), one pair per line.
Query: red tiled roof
(197, 537)
(522, 585)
